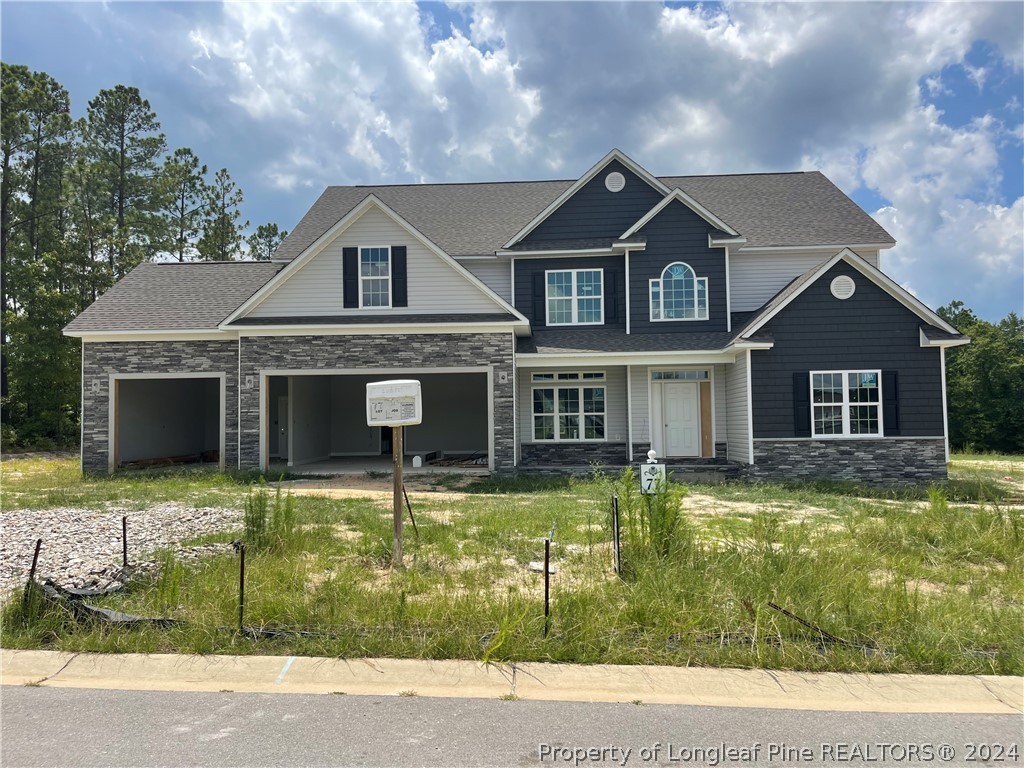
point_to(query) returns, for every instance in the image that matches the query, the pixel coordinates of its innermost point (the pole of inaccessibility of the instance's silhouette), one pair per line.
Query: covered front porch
(691, 413)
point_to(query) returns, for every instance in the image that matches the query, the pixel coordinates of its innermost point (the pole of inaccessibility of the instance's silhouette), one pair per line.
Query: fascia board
(615, 154)
(379, 329)
(544, 360)
(926, 342)
(689, 202)
(555, 252)
(822, 247)
(182, 335)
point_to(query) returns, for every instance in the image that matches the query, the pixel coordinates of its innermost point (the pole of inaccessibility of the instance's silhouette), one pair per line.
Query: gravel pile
(82, 548)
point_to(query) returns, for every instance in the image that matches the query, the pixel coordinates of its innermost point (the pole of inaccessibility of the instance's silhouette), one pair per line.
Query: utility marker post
(395, 404)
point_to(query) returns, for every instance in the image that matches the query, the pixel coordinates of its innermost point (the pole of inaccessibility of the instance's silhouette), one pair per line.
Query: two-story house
(740, 318)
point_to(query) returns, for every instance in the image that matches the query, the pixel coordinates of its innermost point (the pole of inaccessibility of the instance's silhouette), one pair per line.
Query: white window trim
(359, 276)
(661, 291)
(578, 384)
(846, 434)
(575, 298)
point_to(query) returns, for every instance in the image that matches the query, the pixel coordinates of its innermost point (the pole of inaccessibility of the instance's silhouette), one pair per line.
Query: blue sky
(912, 109)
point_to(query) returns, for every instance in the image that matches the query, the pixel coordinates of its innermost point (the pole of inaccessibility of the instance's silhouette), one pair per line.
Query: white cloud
(352, 92)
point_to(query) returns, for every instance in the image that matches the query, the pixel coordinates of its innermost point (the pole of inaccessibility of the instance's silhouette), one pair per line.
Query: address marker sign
(395, 403)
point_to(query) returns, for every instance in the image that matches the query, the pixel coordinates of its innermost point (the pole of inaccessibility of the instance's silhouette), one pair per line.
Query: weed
(407, 693)
(508, 697)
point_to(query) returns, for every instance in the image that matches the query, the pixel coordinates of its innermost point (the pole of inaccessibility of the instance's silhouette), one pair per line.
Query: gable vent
(614, 181)
(843, 287)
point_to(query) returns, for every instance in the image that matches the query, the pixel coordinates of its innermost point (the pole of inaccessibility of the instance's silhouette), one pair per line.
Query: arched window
(679, 294)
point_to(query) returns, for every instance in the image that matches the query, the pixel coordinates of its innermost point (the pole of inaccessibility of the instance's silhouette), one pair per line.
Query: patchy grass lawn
(912, 582)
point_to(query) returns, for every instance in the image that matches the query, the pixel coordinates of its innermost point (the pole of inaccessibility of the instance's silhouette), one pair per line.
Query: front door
(680, 407)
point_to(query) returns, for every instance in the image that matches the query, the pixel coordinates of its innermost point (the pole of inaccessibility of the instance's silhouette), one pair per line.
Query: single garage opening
(322, 419)
(166, 421)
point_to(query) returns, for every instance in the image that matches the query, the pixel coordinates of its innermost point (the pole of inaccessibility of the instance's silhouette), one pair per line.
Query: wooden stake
(396, 445)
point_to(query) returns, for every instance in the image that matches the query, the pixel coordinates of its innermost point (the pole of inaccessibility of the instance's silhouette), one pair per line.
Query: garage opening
(166, 421)
(321, 419)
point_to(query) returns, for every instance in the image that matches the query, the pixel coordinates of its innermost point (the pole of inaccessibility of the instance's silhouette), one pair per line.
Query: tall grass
(910, 588)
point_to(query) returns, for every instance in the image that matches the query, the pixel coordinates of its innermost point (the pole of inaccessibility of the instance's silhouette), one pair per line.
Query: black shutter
(399, 282)
(801, 404)
(350, 276)
(611, 297)
(539, 298)
(891, 403)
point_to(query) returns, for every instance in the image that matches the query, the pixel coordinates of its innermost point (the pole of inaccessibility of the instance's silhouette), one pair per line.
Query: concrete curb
(552, 682)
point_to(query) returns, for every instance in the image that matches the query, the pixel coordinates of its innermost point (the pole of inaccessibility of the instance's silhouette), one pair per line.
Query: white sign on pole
(652, 477)
(395, 403)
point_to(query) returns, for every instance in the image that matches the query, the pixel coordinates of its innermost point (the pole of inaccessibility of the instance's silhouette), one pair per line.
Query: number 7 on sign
(652, 476)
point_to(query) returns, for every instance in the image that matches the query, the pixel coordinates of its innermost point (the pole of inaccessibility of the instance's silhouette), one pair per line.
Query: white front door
(680, 408)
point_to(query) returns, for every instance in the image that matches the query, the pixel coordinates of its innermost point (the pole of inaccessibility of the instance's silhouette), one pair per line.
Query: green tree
(123, 140)
(264, 241)
(35, 151)
(222, 232)
(985, 382)
(185, 200)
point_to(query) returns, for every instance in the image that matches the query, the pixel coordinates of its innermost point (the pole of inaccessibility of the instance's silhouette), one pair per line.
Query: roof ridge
(560, 181)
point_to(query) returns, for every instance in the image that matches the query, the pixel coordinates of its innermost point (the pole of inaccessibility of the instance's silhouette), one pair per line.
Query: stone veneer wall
(885, 462)
(573, 454)
(164, 357)
(366, 353)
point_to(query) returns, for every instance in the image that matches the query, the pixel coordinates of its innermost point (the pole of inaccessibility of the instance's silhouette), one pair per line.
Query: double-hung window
(679, 294)
(846, 403)
(570, 408)
(575, 296)
(374, 277)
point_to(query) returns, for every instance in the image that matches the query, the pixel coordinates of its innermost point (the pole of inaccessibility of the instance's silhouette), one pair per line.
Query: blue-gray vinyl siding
(614, 272)
(676, 234)
(594, 212)
(868, 331)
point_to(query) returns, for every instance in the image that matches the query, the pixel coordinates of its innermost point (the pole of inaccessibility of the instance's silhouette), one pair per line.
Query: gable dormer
(678, 282)
(599, 206)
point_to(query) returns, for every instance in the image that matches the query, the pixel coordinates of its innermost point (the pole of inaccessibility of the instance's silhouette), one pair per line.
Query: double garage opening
(318, 421)
(158, 420)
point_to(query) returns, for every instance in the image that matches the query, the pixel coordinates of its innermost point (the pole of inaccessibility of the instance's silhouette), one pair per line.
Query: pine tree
(186, 196)
(264, 241)
(222, 234)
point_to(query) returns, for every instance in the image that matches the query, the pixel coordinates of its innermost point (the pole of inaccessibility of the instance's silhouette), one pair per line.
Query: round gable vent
(843, 287)
(614, 181)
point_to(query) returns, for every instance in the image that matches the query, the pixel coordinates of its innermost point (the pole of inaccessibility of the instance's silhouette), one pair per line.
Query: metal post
(411, 516)
(616, 545)
(547, 585)
(396, 443)
(31, 585)
(241, 585)
(124, 539)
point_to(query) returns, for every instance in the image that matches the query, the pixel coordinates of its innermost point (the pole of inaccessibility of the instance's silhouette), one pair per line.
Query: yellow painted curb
(552, 682)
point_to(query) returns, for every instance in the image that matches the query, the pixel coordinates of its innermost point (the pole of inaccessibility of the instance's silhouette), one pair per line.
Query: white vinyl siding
(496, 275)
(614, 398)
(736, 410)
(434, 287)
(756, 277)
(720, 401)
(641, 399)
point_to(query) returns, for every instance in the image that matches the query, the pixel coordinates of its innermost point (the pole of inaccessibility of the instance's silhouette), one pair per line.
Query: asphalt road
(95, 727)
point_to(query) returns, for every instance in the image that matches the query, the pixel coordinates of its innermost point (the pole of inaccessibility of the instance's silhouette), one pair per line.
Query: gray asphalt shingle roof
(802, 208)
(378, 319)
(190, 296)
(561, 341)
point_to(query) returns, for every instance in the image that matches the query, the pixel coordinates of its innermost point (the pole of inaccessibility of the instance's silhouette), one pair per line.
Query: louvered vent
(614, 181)
(843, 287)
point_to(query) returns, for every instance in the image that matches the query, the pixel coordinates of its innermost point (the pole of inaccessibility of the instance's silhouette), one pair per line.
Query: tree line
(82, 203)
